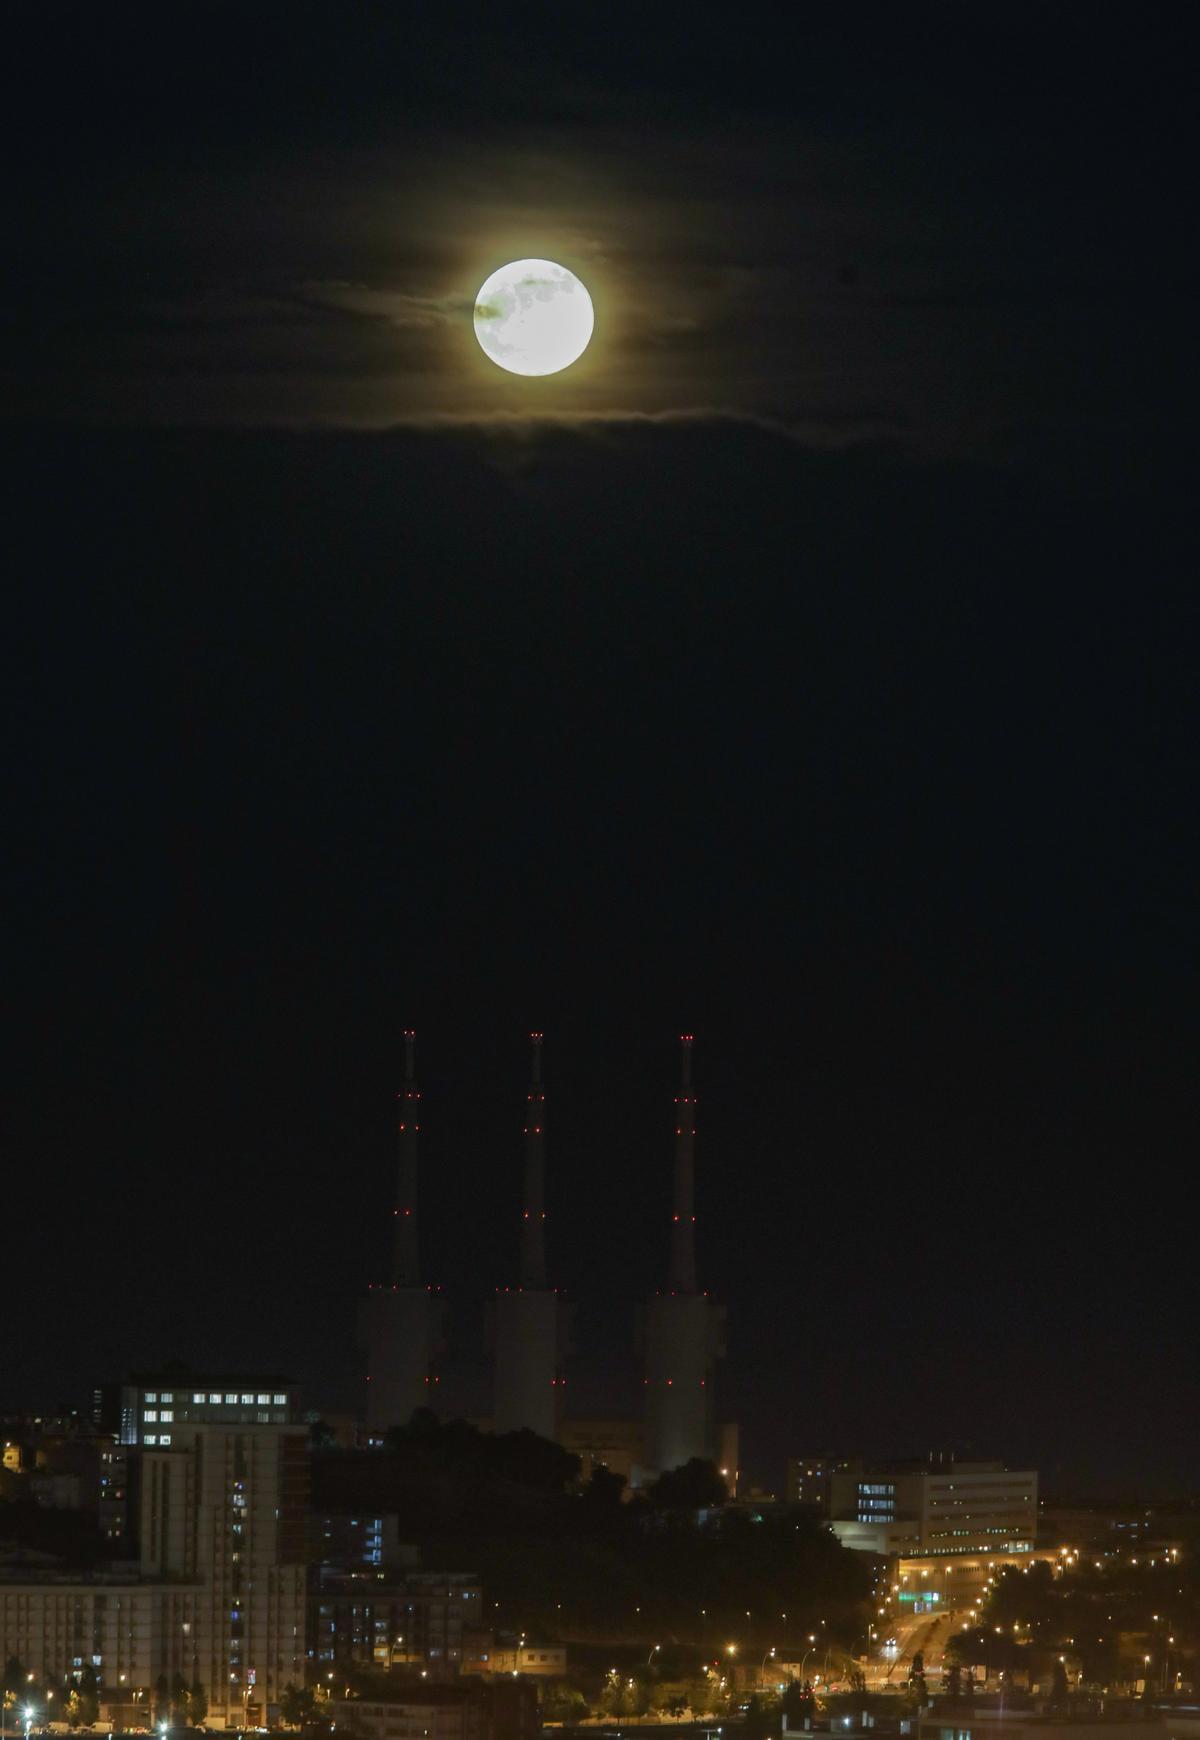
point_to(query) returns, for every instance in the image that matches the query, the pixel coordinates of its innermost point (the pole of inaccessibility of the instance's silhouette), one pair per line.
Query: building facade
(226, 1505)
(506, 1709)
(945, 1508)
(130, 1630)
(416, 1621)
(810, 1479)
(151, 1408)
(217, 1595)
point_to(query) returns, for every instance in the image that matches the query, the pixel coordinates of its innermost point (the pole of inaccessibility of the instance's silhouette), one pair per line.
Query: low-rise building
(130, 1629)
(518, 1656)
(501, 1710)
(414, 1620)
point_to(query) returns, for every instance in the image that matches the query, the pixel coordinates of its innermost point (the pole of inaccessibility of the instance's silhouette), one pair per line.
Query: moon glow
(533, 317)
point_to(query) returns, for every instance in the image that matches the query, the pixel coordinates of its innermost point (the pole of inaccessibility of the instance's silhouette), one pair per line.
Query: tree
(533, 1461)
(952, 1683)
(793, 1699)
(14, 1674)
(197, 1705)
(321, 1436)
(603, 1490)
(565, 1704)
(916, 1677)
(89, 1697)
(697, 1485)
(1059, 1687)
(162, 1700)
(610, 1693)
(179, 1701)
(297, 1705)
(71, 1709)
(639, 1697)
(700, 1696)
(755, 1726)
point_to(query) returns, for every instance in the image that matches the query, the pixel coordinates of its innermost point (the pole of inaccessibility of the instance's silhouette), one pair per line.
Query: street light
(653, 1653)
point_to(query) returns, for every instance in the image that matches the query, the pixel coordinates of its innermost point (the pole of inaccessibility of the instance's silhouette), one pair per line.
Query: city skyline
(809, 666)
(604, 1374)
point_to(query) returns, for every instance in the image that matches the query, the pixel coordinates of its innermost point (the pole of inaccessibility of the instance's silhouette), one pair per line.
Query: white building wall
(964, 1509)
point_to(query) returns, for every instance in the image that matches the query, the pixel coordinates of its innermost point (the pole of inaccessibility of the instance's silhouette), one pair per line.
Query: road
(927, 1635)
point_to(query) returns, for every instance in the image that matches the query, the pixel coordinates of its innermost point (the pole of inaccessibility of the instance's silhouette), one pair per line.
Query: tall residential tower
(403, 1323)
(685, 1332)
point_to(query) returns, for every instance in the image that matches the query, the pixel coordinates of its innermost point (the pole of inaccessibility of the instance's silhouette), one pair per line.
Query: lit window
(149, 1415)
(264, 1416)
(167, 1414)
(166, 1396)
(152, 1438)
(264, 1401)
(165, 1439)
(247, 1401)
(199, 1399)
(230, 1401)
(215, 1400)
(151, 1396)
(281, 1401)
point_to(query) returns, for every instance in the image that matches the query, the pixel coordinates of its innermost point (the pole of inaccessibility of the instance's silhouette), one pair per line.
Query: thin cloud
(397, 308)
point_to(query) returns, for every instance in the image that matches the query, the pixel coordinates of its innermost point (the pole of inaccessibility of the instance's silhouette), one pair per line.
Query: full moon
(533, 317)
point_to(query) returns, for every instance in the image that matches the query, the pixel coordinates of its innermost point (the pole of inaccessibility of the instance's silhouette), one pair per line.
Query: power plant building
(685, 1331)
(403, 1324)
(682, 1333)
(530, 1326)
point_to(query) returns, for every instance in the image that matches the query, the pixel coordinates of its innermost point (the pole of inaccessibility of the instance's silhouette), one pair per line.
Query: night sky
(812, 667)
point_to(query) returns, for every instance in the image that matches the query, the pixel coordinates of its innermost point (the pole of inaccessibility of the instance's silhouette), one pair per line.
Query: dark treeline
(585, 1560)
